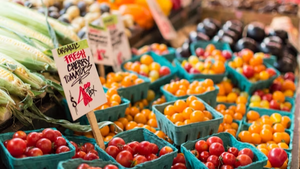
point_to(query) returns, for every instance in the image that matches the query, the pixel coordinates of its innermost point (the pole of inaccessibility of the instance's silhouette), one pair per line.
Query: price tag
(164, 25)
(119, 41)
(100, 43)
(79, 78)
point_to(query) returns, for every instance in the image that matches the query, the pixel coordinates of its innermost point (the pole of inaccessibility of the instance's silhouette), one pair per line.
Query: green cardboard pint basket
(48, 161)
(163, 62)
(209, 97)
(182, 73)
(182, 134)
(136, 92)
(260, 160)
(244, 84)
(74, 163)
(202, 44)
(141, 134)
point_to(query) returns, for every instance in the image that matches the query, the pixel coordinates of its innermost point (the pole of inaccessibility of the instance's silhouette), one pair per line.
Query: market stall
(182, 84)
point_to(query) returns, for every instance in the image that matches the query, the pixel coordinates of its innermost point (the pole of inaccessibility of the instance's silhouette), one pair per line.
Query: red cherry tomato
(5, 143)
(60, 141)
(214, 139)
(83, 166)
(228, 158)
(165, 150)
(201, 145)
(116, 142)
(179, 166)
(133, 146)
(49, 134)
(226, 167)
(16, 147)
(277, 156)
(45, 145)
(247, 152)
(62, 149)
(179, 159)
(35, 152)
(75, 145)
(88, 147)
(32, 138)
(216, 149)
(144, 148)
(57, 133)
(139, 159)
(155, 148)
(233, 151)
(80, 154)
(203, 156)
(126, 147)
(242, 160)
(112, 151)
(195, 152)
(93, 151)
(210, 165)
(151, 157)
(20, 134)
(124, 158)
(213, 159)
(91, 156)
(110, 166)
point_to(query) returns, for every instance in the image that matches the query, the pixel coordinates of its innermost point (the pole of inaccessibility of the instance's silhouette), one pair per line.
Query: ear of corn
(13, 84)
(5, 114)
(26, 31)
(5, 98)
(22, 72)
(37, 21)
(27, 55)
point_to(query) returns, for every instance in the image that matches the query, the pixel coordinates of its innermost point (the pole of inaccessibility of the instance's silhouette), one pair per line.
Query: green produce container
(74, 163)
(202, 44)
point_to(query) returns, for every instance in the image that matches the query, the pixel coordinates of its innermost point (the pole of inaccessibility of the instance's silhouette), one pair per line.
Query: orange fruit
(286, 121)
(277, 137)
(146, 112)
(271, 146)
(268, 164)
(104, 131)
(232, 97)
(264, 150)
(218, 67)
(286, 137)
(133, 111)
(140, 118)
(110, 92)
(220, 107)
(152, 123)
(197, 105)
(278, 96)
(207, 114)
(266, 135)
(222, 91)
(221, 128)
(180, 105)
(151, 116)
(131, 125)
(108, 138)
(254, 128)
(241, 108)
(227, 119)
(160, 134)
(197, 116)
(263, 145)
(278, 127)
(207, 83)
(234, 126)
(283, 145)
(177, 117)
(129, 117)
(252, 115)
(187, 112)
(190, 99)
(146, 59)
(241, 99)
(123, 120)
(231, 131)
(169, 110)
(288, 85)
(119, 124)
(255, 138)
(237, 116)
(245, 136)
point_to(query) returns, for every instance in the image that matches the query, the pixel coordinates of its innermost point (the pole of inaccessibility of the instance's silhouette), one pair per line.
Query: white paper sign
(79, 78)
(164, 25)
(100, 43)
(120, 45)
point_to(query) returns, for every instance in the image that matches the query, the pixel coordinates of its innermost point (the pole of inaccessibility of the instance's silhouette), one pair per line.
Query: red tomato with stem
(60, 141)
(144, 148)
(5, 143)
(126, 147)
(133, 146)
(165, 150)
(16, 147)
(179, 159)
(32, 138)
(124, 158)
(83, 166)
(228, 158)
(20, 134)
(247, 152)
(201, 145)
(49, 134)
(90, 156)
(242, 160)
(204, 156)
(93, 151)
(117, 141)
(80, 154)
(45, 145)
(227, 167)
(57, 133)
(216, 149)
(112, 151)
(214, 139)
(62, 149)
(195, 153)
(88, 147)
(35, 152)
(154, 148)
(75, 145)
(277, 156)
(213, 159)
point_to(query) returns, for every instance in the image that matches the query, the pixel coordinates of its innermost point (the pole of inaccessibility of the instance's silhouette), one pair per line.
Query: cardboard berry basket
(260, 160)
(74, 163)
(141, 134)
(182, 134)
(182, 73)
(136, 92)
(163, 62)
(48, 161)
(244, 84)
(244, 127)
(269, 112)
(209, 97)
(202, 44)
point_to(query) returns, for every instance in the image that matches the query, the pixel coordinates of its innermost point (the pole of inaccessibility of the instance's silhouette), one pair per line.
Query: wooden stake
(96, 132)
(101, 70)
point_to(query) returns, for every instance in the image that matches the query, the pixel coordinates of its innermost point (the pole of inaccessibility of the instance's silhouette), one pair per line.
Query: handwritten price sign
(164, 25)
(79, 78)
